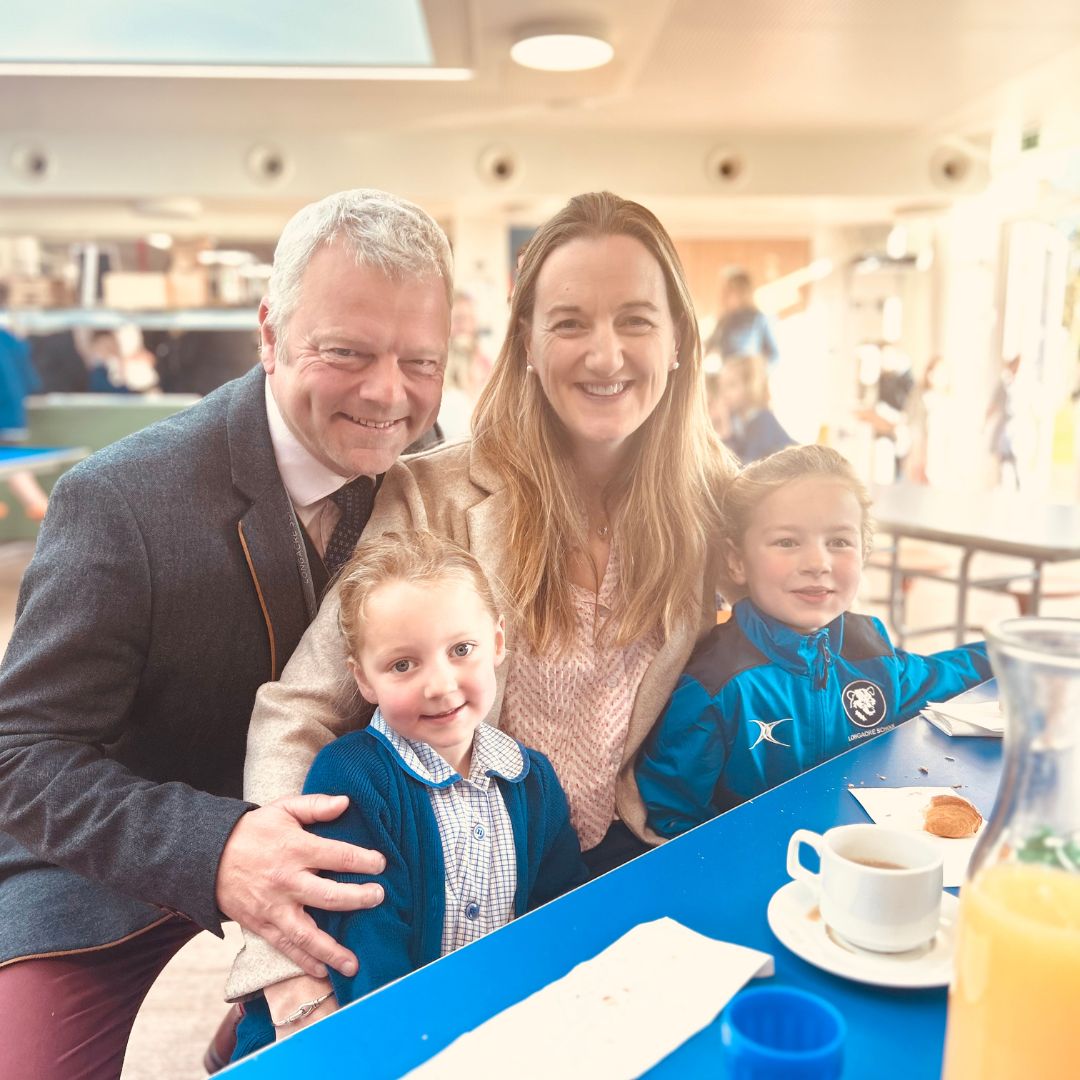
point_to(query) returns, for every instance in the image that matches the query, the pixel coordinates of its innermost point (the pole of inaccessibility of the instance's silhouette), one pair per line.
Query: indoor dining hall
(541, 533)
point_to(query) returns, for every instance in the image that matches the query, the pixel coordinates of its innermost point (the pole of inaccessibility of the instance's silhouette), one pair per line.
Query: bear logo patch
(864, 703)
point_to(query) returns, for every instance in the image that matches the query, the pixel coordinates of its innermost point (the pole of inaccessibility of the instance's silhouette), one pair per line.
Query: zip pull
(824, 660)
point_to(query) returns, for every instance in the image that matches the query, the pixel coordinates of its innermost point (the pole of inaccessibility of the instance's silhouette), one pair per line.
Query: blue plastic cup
(779, 1032)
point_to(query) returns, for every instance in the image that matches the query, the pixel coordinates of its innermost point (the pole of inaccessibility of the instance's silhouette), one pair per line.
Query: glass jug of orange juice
(1014, 1003)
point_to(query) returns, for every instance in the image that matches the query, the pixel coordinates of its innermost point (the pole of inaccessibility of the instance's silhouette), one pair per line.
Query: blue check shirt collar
(495, 754)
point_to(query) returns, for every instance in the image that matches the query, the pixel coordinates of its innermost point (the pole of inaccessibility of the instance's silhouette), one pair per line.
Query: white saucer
(795, 919)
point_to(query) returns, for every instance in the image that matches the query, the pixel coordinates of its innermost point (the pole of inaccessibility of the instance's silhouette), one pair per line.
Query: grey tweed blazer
(169, 583)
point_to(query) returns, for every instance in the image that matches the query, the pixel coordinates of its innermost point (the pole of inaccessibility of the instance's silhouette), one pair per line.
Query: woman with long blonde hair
(590, 492)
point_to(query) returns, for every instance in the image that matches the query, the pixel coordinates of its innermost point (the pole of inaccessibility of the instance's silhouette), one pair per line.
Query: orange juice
(1014, 1006)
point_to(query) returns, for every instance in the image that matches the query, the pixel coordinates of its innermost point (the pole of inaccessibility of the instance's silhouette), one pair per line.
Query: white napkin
(956, 718)
(615, 1015)
(902, 808)
(974, 712)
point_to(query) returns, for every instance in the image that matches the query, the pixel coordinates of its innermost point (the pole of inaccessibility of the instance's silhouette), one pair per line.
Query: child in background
(751, 430)
(793, 678)
(105, 368)
(474, 827)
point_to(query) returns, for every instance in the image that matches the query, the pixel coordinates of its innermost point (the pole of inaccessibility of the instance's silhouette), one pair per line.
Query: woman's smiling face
(602, 340)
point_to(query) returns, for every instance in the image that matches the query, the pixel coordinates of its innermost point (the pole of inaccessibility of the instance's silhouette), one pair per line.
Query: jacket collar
(483, 473)
(251, 453)
(269, 534)
(795, 652)
(488, 518)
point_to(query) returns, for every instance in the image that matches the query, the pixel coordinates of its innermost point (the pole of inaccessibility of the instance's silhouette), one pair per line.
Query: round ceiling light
(560, 47)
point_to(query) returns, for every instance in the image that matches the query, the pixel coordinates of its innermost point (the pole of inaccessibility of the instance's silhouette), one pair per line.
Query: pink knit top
(576, 709)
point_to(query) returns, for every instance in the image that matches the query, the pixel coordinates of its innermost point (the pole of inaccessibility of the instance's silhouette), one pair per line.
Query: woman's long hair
(663, 507)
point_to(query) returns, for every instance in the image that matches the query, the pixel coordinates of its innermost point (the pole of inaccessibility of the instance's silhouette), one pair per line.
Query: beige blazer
(453, 492)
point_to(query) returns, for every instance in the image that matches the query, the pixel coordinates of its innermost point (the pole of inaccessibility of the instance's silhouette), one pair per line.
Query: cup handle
(795, 868)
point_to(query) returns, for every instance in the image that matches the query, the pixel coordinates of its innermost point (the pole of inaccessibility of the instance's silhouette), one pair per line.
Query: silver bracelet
(301, 1011)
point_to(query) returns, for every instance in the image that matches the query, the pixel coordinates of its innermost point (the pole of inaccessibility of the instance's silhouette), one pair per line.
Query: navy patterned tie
(355, 500)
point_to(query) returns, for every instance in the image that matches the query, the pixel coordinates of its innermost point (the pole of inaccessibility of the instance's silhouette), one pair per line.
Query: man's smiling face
(359, 376)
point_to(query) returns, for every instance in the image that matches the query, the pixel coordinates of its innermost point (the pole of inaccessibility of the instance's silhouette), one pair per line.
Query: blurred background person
(138, 365)
(741, 327)
(17, 379)
(467, 369)
(887, 380)
(1003, 422)
(118, 362)
(104, 365)
(928, 412)
(741, 413)
(1011, 423)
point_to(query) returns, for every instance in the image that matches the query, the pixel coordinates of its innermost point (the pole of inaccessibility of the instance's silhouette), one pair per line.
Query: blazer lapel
(486, 523)
(487, 519)
(268, 532)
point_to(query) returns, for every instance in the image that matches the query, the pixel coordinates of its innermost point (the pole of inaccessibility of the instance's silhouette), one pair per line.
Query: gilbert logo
(864, 703)
(765, 732)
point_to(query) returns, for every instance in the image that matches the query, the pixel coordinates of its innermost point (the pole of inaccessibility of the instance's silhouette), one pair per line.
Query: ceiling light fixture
(556, 46)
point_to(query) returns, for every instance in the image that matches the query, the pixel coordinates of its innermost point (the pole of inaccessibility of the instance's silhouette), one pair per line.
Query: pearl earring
(674, 364)
(529, 369)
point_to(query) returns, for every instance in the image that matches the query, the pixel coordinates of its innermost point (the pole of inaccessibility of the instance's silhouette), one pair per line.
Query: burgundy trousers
(69, 1017)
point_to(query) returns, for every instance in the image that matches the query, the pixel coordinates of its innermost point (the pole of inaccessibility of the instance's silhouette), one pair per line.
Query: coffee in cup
(878, 888)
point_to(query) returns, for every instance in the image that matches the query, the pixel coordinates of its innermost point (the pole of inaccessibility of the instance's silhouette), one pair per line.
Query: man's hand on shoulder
(269, 871)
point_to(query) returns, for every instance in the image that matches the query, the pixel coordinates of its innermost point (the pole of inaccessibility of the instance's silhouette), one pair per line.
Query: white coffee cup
(878, 888)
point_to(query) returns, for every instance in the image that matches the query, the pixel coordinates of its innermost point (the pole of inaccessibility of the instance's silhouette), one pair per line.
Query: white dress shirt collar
(306, 479)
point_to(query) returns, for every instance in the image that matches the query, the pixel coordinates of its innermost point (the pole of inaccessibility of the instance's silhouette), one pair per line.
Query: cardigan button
(472, 912)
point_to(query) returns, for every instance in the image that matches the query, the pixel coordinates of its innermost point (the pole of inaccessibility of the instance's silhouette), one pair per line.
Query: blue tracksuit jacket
(760, 703)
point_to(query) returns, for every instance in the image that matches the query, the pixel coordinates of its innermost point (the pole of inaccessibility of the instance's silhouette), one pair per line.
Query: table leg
(897, 614)
(961, 596)
(1036, 587)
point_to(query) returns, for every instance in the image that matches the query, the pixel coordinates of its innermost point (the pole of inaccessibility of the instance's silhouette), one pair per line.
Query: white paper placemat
(613, 1016)
(902, 808)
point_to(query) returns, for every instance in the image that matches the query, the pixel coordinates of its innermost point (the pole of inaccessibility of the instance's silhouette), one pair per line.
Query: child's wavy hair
(760, 479)
(418, 557)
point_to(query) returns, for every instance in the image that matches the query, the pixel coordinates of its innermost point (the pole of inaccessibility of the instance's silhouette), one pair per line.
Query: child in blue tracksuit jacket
(792, 678)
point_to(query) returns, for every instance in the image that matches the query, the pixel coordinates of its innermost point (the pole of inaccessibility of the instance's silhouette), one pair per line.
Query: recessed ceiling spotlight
(561, 46)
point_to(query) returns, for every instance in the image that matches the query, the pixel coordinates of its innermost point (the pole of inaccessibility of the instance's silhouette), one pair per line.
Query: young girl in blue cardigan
(793, 678)
(475, 827)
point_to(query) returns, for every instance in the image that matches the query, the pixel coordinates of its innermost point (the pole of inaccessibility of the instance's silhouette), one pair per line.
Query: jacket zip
(821, 684)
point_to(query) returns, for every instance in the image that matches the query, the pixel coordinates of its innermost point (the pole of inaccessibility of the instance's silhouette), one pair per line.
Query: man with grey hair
(175, 573)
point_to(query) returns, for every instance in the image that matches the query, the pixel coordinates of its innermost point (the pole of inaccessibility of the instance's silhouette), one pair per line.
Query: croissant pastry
(951, 816)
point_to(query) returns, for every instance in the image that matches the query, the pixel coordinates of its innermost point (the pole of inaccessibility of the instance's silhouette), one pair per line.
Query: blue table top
(716, 879)
(29, 453)
(15, 458)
